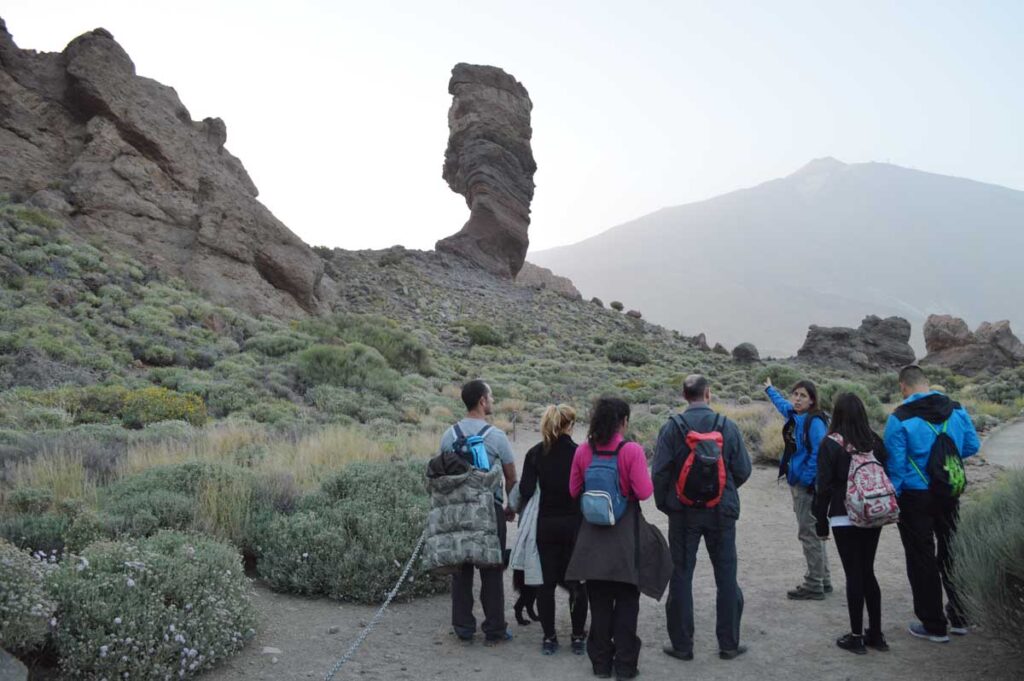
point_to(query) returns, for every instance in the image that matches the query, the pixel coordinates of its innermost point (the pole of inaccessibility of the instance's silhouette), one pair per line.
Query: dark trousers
(613, 643)
(577, 608)
(685, 531)
(556, 537)
(492, 594)
(857, 547)
(927, 525)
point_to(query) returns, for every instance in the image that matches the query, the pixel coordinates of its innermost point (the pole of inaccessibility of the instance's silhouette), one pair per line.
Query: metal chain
(380, 613)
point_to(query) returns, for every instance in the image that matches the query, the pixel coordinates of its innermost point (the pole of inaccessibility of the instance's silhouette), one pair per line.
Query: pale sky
(339, 109)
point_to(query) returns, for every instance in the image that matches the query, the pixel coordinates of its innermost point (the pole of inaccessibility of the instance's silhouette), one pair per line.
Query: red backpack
(701, 479)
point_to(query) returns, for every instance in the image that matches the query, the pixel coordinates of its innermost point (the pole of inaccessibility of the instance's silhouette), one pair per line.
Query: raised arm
(780, 402)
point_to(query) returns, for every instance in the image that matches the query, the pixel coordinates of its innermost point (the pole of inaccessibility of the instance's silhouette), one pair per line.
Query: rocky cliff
(490, 162)
(992, 347)
(118, 154)
(878, 344)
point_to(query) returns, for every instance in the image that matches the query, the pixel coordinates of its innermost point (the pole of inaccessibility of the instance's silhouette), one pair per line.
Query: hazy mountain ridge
(827, 245)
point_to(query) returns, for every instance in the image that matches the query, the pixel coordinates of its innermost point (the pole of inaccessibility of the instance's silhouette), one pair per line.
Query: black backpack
(789, 438)
(946, 477)
(701, 479)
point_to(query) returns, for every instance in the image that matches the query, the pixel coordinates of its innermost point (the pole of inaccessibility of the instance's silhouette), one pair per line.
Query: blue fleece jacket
(803, 467)
(908, 435)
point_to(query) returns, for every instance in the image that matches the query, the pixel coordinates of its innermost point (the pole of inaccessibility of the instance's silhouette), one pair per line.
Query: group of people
(604, 567)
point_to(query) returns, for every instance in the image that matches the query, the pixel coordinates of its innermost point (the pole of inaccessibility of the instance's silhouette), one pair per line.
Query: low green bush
(170, 606)
(149, 405)
(353, 366)
(482, 333)
(30, 500)
(278, 344)
(988, 559)
(25, 605)
(42, 532)
(628, 352)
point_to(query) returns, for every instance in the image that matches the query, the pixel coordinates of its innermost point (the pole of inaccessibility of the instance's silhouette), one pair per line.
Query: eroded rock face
(490, 162)
(992, 347)
(877, 345)
(542, 277)
(120, 156)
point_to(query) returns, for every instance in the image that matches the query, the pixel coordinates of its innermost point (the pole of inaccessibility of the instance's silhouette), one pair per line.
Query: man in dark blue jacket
(687, 524)
(926, 518)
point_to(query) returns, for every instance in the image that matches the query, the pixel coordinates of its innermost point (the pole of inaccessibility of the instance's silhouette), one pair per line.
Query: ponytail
(554, 422)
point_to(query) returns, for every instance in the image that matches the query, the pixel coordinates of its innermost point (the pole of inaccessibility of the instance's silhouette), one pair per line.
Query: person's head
(913, 380)
(696, 388)
(804, 396)
(556, 421)
(850, 419)
(477, 397)
(609, 416)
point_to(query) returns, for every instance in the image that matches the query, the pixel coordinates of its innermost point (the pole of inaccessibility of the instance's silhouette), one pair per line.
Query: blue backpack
(602, 502)
(472, 448)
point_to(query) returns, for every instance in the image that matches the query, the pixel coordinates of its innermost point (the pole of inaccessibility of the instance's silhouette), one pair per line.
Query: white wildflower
(103, 651)
(130, 583)
(117, 620)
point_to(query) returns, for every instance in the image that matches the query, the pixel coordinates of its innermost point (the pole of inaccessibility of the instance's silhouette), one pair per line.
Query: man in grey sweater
(688, 524)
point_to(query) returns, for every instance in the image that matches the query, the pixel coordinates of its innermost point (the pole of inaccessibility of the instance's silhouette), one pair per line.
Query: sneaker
(732, 654)
(917, 629)
(876, 640)
(579, 645)
(828, 588)
(549, 646)
(853, 643)
(678, 654)
(802, 593)
(500, 638)
(959, 631)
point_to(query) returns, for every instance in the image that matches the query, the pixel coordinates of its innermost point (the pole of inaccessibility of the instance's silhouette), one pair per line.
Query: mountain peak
(820, 166)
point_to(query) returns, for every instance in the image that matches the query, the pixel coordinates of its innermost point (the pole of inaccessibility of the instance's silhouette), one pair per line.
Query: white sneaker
(917, 629)
(959, 631)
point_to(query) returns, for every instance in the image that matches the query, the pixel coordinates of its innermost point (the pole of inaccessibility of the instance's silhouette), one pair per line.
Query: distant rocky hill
(827, 245)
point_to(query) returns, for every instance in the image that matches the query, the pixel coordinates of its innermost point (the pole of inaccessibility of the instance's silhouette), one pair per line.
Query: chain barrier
(379, 614)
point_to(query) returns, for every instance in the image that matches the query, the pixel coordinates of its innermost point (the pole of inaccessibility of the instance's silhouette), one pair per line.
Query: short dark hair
(473, 392)
(913, 375)
(608, 413)
(694, 387)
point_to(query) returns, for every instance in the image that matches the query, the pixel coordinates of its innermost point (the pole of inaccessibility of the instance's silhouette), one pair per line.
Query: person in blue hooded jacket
(927, 519)
(806, 426)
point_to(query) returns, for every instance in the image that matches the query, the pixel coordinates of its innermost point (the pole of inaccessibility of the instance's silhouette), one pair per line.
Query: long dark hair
(605, 418)
(850, 419)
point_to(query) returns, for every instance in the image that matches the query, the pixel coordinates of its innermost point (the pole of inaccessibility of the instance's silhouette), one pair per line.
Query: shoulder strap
(719, 423)
(681, 424)
(608, 452)
(483, 431)
(936, 430)
(458, 431)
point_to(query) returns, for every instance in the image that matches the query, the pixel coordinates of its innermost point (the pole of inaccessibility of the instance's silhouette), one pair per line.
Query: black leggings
(857, 546)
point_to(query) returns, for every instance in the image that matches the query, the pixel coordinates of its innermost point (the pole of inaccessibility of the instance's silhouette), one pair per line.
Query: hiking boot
(876, 640)
(549, 646)
(732, 654)
(917, 629)
(828, 588)
(579, 645)
(802, 593)
(499, 638)
(678, 654)
(853, 643)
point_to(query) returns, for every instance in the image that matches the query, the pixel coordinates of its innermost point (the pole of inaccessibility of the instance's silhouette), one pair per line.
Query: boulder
(700, 341)
(635, 314)
(991, 348)
(119, 157)
(720, 349)
(542, 278)
(877, 345)
(489, 161)
(746, 352)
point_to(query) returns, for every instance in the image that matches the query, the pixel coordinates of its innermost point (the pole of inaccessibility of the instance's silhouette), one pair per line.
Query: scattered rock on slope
(490, 162)
(121, 157)
(542, 277)
(877, 345)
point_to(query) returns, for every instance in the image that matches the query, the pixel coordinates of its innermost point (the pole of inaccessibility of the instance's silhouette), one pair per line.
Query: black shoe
(732, 654)
(678, 654)
(855, 644)
(602, 673)
(802, 593)
(498, 639)
(631, 674)
(579, 645)
(876, 640)
(549, 646)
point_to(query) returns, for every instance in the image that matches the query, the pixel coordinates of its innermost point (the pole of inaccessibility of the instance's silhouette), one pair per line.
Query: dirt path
(787, 639)
(1006, 446)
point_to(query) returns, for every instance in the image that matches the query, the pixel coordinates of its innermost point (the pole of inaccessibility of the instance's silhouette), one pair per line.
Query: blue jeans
(685, 531)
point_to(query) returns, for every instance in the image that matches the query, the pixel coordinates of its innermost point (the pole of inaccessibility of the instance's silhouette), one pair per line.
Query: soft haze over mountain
(826, 245)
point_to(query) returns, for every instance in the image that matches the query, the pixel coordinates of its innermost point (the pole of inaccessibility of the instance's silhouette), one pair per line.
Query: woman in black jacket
(547, 466)
(856, 545)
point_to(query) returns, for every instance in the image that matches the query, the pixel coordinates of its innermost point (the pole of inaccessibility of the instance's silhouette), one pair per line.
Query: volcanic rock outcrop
(992, 347)
(489, 161)
(878, 344)
(543, 278)
(121, 158)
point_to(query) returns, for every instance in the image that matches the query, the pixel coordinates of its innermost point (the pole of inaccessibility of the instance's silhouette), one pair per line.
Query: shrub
(770, 443)
(481, 333)
(988, 559)
(173, 605)
(628, 352)
(616, 305)
(354, 366)
(277, 344)
(36, 532)
(387, 483)
(403, 350)
(25, 607)
(149, 405)
(30, 500)
(783, 377)
(827, 393)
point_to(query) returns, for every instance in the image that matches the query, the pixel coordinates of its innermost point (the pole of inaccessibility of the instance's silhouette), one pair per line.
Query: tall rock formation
(120, 156)
(877, 345)
(489, 161)
(992, 347)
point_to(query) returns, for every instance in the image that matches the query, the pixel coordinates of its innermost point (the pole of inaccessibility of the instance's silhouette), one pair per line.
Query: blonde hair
(554, 422)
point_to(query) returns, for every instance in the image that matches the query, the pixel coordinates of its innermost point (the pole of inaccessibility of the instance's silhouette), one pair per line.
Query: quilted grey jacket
(462, 526)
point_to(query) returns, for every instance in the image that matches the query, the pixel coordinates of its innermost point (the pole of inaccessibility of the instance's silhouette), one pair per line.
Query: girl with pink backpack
(855, 499)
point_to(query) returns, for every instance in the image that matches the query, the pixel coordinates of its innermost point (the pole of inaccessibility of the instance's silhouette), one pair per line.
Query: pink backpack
(870, 496)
